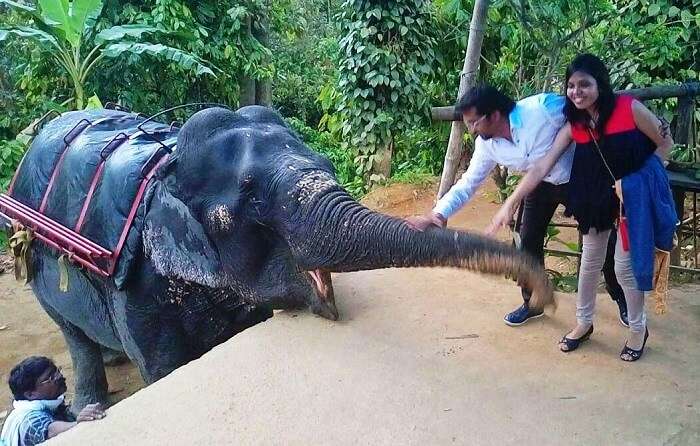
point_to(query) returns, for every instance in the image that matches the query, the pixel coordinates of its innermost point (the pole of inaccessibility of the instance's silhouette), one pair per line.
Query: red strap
(624, 234)
(132, 213)
(88, 199)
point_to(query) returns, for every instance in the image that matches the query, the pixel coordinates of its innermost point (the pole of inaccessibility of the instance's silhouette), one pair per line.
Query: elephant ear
(177, 244)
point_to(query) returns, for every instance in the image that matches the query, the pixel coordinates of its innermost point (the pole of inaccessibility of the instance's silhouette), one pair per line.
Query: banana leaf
(180, 57)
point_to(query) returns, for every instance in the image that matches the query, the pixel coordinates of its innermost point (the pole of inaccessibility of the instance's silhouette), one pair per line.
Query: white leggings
(594, 249)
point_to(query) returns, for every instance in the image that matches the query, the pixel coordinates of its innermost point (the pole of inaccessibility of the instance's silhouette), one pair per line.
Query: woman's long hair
(591, 65)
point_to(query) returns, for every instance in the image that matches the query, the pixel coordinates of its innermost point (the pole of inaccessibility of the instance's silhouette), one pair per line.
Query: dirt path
(421, 357)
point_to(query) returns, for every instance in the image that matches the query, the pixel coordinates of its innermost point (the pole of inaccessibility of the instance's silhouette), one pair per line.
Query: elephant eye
(246, 182)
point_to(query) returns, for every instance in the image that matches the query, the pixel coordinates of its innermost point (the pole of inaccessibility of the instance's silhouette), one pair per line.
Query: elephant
(242, 218)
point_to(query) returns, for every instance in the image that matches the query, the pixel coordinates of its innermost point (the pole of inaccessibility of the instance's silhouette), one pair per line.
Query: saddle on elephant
(81, 186)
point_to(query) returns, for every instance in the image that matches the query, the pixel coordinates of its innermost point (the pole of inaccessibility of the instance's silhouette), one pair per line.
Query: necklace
(593, 123)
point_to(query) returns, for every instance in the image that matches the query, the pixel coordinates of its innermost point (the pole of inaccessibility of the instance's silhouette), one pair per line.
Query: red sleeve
(622, 119)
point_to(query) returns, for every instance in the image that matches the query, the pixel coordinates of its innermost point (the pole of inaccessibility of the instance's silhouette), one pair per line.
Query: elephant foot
(324, 302)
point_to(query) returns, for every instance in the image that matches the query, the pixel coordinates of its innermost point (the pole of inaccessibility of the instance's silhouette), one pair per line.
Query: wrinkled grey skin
(244, 218)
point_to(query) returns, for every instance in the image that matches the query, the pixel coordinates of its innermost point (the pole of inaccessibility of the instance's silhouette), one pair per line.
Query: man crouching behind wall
(39, 411)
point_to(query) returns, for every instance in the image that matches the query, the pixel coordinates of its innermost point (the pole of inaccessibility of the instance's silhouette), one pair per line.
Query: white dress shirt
(534, 123)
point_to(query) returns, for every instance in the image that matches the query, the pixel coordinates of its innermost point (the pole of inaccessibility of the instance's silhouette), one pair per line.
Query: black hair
(593, 66)
(486, 99)
(23, 376)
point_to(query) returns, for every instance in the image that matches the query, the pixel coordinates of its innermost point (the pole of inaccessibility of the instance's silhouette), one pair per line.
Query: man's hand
(91, 412)
(502, 218)
(422, 222)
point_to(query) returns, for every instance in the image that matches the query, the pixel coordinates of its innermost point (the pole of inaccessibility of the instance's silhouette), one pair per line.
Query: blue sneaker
(521, 315)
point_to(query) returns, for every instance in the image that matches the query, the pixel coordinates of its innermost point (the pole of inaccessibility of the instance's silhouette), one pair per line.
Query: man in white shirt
(514, 135)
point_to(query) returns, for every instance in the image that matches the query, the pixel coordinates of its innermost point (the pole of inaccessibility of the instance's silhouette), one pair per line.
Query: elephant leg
(90, 380)
(112, 358)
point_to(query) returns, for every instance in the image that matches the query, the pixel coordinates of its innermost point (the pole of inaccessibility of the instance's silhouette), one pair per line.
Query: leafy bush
(10, 155)
(420, 151)
(387, 53)
(324, 143)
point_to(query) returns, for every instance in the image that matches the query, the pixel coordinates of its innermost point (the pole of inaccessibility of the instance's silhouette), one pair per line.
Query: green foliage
(419, 153)
(386, 51)
(683, 153)
(508, 187)
(10, 155)
(220, 32)
(61, 27)
(326, 144)
(566, 283)
(305, 58)
(553, 236)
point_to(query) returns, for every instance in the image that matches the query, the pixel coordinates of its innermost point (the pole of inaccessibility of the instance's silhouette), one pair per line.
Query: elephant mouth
(323, 287)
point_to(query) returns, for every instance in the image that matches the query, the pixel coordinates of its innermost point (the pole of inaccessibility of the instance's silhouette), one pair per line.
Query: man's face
(480, 125)
(50, 385)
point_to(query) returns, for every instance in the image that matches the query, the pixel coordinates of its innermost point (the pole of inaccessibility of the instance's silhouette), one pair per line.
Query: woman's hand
(502, 218)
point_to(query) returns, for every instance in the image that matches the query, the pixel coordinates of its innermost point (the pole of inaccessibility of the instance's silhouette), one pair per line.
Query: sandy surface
(420, 357)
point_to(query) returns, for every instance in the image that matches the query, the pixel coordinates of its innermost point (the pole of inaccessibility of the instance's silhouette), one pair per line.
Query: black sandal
(572, 344)
(634, 354)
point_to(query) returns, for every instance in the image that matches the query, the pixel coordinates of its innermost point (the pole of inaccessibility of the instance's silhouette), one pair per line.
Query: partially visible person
(614, 170)
(40, 413)
(514, 135)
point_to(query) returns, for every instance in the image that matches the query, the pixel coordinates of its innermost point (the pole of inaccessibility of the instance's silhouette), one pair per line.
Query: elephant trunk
(335, 233)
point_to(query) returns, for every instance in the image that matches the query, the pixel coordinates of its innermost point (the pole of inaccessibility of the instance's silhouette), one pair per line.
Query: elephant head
(245, 204)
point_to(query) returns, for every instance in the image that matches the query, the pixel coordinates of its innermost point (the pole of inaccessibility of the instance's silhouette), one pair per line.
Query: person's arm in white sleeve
(530, 181)
(461, 192)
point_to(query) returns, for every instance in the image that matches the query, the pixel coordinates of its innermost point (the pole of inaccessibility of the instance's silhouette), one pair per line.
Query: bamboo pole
(466, 81)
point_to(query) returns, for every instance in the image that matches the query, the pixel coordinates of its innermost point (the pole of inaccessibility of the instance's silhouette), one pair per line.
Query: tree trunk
(263, 87)
(383, 167)
(467, 80)
(247, 84)
(263, 92)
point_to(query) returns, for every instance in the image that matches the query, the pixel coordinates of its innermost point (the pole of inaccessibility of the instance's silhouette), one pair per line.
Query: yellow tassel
(661, 274)
(63, 274)
(20, 248)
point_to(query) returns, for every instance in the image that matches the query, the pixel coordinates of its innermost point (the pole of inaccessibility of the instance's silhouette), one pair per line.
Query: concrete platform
(423, 357)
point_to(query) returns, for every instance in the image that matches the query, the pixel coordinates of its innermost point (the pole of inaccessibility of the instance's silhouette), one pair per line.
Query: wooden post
(246, 83)
(466, 81)
(263, 88)
(682, 135)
